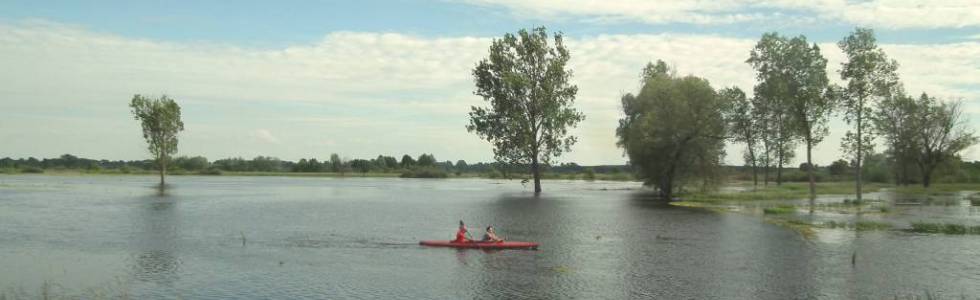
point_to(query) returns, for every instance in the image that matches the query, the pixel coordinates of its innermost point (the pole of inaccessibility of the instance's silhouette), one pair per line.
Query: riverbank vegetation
(423, 166)
(674, 129)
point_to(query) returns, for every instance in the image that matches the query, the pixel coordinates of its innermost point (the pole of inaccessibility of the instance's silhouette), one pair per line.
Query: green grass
(871, 225)
(945, 228)
(859, 226)
(786, 191)
(938, 188)
(779, 210)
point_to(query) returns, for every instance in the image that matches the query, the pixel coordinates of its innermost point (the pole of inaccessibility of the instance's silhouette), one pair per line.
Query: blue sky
(299, 79)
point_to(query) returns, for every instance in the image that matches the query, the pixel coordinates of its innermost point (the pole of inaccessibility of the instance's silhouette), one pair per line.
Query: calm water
(357, 238)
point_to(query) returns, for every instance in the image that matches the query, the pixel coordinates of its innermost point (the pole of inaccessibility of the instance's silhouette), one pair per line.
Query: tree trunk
(536, 172)
(859, 142)
(755, 171)
(765, 174)
(779, 167)
(926, 170)
(163, 169)
(810, 168)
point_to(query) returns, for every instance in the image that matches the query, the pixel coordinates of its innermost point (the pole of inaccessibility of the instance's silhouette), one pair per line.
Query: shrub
(424, 173)
(779, 210)
(210, 171)
(33, 170)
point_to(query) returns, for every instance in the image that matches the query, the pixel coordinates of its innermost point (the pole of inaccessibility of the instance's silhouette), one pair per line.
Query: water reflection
(155, 241)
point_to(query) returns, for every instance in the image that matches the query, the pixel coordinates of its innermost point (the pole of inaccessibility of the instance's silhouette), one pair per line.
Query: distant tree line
(334, 164)
(675, 127)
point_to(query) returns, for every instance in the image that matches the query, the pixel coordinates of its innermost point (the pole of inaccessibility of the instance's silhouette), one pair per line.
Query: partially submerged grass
(946, 228)
(803, 228)
(938, 188)
(859, 226)
(779, 210)
(786, 191)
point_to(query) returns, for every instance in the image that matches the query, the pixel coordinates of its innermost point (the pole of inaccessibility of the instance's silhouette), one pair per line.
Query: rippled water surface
(273, 237)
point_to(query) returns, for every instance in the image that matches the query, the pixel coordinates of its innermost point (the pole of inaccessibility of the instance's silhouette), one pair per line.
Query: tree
(940, 133)
(838, 167)
(160, 119)
(870, 76)
(426, 160)
(336, 164)
(407, 162)
(673, 131)
(525, 81)
(793, 75)
(743, 125)
(895, 119)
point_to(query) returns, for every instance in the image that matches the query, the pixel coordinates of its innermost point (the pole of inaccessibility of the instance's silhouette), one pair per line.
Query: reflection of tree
(155, 240)
(678, 252)
(510, 274)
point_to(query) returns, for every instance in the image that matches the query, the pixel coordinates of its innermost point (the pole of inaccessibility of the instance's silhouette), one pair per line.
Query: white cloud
(878, 13)
(357, 94)
(265, 136)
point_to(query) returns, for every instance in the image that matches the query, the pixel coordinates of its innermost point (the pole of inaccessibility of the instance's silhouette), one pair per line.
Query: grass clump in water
(871, 225)
(779, 210)
(922, 227)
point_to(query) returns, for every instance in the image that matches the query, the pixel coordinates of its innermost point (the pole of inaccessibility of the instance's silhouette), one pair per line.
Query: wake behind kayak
(481, 245)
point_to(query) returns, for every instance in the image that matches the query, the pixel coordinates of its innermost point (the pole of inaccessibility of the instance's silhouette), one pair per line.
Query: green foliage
(160, 119)
(407, 162)
(923, 227)
(526, 83)
(673, 131)
(426, 160)
(838, 167)
(589, 174)
(424, 173)
(870, 76)
(779, 210)
(32, 170)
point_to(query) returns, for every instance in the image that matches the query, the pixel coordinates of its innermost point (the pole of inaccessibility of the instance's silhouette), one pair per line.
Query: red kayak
(481, 245)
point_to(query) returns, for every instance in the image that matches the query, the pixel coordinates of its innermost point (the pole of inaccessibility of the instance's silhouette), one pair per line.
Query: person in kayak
(461, 234)
(491, 236)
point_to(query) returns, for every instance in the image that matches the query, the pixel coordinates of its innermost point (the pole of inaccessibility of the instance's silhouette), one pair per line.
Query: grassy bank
(393, 174)
(786, 191)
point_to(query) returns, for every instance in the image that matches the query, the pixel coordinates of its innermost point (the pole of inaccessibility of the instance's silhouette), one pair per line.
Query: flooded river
(338, 238)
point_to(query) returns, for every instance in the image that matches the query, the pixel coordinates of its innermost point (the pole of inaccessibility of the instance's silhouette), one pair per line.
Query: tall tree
(673, 131)
(940, 133)
(526, 83)
(793, 74)
(769, 59)
(743, 126)
(894, 119)
(870, 76)
(160, 119)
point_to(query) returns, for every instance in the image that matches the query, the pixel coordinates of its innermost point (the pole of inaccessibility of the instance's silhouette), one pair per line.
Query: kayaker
(461, 234)
(491, 235)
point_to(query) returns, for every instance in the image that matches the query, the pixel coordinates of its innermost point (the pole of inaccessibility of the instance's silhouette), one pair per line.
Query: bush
(779, 210)
(424, 173)
(944, 228)
(210, 171)
(32, 170)
(589, 174)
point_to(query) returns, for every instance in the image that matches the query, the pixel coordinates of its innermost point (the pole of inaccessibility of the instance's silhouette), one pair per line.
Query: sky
(304, 79)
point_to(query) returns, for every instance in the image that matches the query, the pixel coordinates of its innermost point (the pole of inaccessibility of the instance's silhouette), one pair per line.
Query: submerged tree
(160, 118)
(793, 76)
(940, 133)
(673, 131)
(870, 76)
(525, 81)
(740, 116)
(894, 120)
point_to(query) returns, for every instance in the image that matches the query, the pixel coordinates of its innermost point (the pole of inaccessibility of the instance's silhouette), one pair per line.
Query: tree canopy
(526, 83)
(673, 131)
(160, 119)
